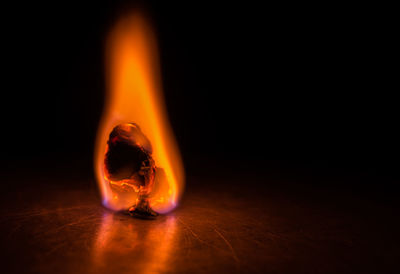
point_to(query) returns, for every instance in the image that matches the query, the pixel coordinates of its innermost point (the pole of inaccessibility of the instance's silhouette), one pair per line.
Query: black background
(298, 90)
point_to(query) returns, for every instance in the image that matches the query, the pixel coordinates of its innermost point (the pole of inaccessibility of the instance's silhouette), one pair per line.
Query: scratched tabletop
(231, 226)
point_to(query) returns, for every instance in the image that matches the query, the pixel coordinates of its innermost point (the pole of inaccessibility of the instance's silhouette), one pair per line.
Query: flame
(134, 94)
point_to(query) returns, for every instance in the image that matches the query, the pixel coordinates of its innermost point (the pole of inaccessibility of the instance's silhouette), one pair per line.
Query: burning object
(134, 94)
(129, 166)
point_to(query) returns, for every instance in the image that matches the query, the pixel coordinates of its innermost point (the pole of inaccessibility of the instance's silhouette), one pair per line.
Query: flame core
(134, 94)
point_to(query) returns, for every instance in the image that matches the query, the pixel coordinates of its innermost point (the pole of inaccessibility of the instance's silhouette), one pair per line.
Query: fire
(134, 94)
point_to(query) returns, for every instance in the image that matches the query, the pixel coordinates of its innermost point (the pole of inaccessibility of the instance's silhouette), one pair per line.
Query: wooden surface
(219, 227)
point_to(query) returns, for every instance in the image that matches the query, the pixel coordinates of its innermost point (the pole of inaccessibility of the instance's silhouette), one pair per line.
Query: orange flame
(134, 94)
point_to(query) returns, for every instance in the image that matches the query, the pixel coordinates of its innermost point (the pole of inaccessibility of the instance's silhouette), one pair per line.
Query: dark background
(299, 91)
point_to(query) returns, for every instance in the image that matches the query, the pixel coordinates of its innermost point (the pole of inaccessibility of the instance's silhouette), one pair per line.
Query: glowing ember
(134, 95)
(129, 166)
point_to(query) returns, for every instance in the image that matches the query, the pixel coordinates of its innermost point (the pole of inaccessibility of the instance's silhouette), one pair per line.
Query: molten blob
(134, 95)
(129, 166)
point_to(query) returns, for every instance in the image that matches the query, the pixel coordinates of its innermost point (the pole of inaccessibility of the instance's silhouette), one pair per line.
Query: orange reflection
(134, 94)
(124, 244)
